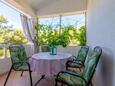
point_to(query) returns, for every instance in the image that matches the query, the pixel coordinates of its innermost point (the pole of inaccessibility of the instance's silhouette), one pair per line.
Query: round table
(46, 64)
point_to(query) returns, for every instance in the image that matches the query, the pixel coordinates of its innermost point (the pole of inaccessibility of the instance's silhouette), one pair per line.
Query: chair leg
(56, 83)
(42, 77)
(61, 84)
(30, 77)
(91, 84)
(66, 67)
(8, 76)
(21, 73)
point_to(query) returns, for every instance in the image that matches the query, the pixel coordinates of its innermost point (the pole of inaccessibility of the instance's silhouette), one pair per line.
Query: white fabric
(29, 30)
(47, 56)
(45, 64)
(28, 27)
(29, 50)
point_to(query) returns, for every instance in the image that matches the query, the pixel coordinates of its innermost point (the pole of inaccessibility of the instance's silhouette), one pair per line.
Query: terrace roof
(47, 7)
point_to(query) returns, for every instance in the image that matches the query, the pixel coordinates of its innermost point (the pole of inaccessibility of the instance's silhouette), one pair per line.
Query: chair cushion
(71, 80)
(21, 67)
(18, 57)
(74, 72)
(82, 54)
(89, 69)
(76, 64)
(17, 53)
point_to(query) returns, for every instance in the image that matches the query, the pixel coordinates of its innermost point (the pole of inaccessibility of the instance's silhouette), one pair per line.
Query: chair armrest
(70, 61)
(18, 62)
(73, 74)
(26, 59)
(73, 57)
(22, 63)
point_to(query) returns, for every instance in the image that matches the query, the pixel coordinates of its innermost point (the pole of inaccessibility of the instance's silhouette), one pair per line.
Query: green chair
(78, 62)
(19, 61)
(78, 78)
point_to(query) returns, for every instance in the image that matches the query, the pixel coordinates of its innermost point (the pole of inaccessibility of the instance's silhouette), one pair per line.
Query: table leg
(42, 77)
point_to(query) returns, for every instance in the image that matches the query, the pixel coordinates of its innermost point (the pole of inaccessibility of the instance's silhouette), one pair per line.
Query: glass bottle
(53, 49)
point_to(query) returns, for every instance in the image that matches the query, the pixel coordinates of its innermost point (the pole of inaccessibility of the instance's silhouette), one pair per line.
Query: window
(68, 29)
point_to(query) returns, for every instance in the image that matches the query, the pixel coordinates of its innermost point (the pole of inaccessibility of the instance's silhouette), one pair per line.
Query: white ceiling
(37, 4)
(44, 7)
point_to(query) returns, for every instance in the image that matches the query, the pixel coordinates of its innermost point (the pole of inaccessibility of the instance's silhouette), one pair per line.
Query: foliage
(66, 35)
(81, 36)
(46, 34)
(8, 35)
(3, 19)
(1, 52)
(17, 36)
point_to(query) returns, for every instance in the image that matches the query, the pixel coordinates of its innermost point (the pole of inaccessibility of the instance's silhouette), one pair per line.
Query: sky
(75, 20)
(13, 18)
(11, 15)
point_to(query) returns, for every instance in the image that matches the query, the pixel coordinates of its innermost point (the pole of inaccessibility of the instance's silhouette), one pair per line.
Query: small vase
(53, 50)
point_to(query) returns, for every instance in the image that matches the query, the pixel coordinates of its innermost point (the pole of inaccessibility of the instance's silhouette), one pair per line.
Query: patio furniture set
(68, 69)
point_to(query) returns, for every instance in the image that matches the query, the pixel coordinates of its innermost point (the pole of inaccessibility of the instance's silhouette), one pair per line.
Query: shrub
(47, 35)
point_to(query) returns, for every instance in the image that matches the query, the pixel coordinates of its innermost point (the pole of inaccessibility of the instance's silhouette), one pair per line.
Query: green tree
(16, 36)
(3, 19)
(66, 35)
(46, 34)
(8, 35)
(81, 35)
(3, 28)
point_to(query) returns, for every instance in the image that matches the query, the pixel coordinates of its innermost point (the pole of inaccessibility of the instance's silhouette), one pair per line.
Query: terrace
(67, 24)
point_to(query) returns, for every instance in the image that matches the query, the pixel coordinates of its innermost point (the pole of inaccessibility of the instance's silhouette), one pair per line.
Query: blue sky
(14, 18)
(11, 15)
(75, 20)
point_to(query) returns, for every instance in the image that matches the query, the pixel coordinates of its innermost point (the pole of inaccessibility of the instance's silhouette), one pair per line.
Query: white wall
(69, 49)
(101, 31)
(5, 65)
(62, 6)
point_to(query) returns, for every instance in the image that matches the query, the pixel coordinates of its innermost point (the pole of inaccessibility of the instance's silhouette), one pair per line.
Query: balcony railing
(4, 51)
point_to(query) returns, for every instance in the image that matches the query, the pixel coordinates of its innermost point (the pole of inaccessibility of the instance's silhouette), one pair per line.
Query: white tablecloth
(46, 64)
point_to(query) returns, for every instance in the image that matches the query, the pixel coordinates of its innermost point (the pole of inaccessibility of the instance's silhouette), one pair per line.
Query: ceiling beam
(22, 8)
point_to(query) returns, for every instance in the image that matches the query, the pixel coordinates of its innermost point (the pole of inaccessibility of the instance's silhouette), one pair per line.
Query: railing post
(4, 51)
